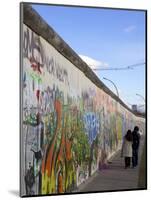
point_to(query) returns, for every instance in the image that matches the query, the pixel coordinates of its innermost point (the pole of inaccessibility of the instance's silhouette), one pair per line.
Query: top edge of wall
(34, 21)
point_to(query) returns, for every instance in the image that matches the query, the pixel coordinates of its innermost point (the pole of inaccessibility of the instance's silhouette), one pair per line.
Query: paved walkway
(115, 177)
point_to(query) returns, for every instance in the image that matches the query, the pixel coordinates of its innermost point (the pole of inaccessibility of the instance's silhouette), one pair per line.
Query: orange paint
(48, 165)
(60, 183)
(68, 150)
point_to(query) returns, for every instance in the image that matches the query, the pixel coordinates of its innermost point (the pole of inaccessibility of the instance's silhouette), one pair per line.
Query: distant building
(134, 107)
(138, 108)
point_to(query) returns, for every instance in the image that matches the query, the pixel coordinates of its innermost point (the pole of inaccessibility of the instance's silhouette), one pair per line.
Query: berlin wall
(72, 123)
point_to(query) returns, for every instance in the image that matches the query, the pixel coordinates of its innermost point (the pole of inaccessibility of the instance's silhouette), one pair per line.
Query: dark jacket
(136, 140)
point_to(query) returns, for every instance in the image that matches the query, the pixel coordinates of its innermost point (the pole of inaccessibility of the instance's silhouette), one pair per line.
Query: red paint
(38, 67)
(35, 65)
(38, 94)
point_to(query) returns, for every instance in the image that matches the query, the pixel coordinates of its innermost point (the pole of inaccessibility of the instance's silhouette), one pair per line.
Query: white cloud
(129, 29)
(93, 64)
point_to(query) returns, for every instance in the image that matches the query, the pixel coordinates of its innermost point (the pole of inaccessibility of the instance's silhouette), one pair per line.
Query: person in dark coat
(135, 146)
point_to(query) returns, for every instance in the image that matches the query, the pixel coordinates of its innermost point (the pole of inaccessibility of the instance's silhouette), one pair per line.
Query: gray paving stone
(115, 177)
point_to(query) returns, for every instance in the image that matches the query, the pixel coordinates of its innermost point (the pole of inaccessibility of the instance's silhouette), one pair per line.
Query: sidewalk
(116, 177)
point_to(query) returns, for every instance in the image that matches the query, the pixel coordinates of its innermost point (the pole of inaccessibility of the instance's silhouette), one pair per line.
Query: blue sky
(115, 38)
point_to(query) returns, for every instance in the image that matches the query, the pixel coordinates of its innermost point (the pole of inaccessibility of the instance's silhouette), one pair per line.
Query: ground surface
(116, 177)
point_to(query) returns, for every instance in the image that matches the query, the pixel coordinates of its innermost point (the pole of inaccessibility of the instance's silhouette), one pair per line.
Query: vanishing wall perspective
(70, 126)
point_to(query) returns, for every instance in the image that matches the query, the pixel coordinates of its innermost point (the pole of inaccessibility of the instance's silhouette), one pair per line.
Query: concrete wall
(70, 125)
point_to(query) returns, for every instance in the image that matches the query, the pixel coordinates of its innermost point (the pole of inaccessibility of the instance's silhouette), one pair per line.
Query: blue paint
(91, 125)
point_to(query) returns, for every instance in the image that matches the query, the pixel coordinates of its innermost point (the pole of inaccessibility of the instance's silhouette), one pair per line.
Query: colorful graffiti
(70, 127)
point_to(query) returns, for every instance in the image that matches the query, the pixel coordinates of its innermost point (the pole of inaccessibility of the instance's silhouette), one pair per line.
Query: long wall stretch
(70, 126)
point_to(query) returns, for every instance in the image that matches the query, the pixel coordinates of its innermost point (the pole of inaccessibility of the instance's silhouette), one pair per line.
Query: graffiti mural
(70, 126)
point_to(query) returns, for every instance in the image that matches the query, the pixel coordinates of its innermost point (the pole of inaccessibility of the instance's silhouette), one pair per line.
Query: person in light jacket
(126, 151)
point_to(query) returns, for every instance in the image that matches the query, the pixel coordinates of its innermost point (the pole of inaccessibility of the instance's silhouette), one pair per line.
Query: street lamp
(143, 100)
(141, 97)
(113, 84)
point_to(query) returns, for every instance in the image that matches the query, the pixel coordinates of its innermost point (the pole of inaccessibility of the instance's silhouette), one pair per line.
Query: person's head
(128, 135)
(136, 128)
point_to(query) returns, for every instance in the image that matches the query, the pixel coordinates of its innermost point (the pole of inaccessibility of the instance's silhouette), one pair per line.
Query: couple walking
(130, 147)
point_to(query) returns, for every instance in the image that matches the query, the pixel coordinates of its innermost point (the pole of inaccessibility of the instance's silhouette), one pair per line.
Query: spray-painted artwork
(70, 126)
